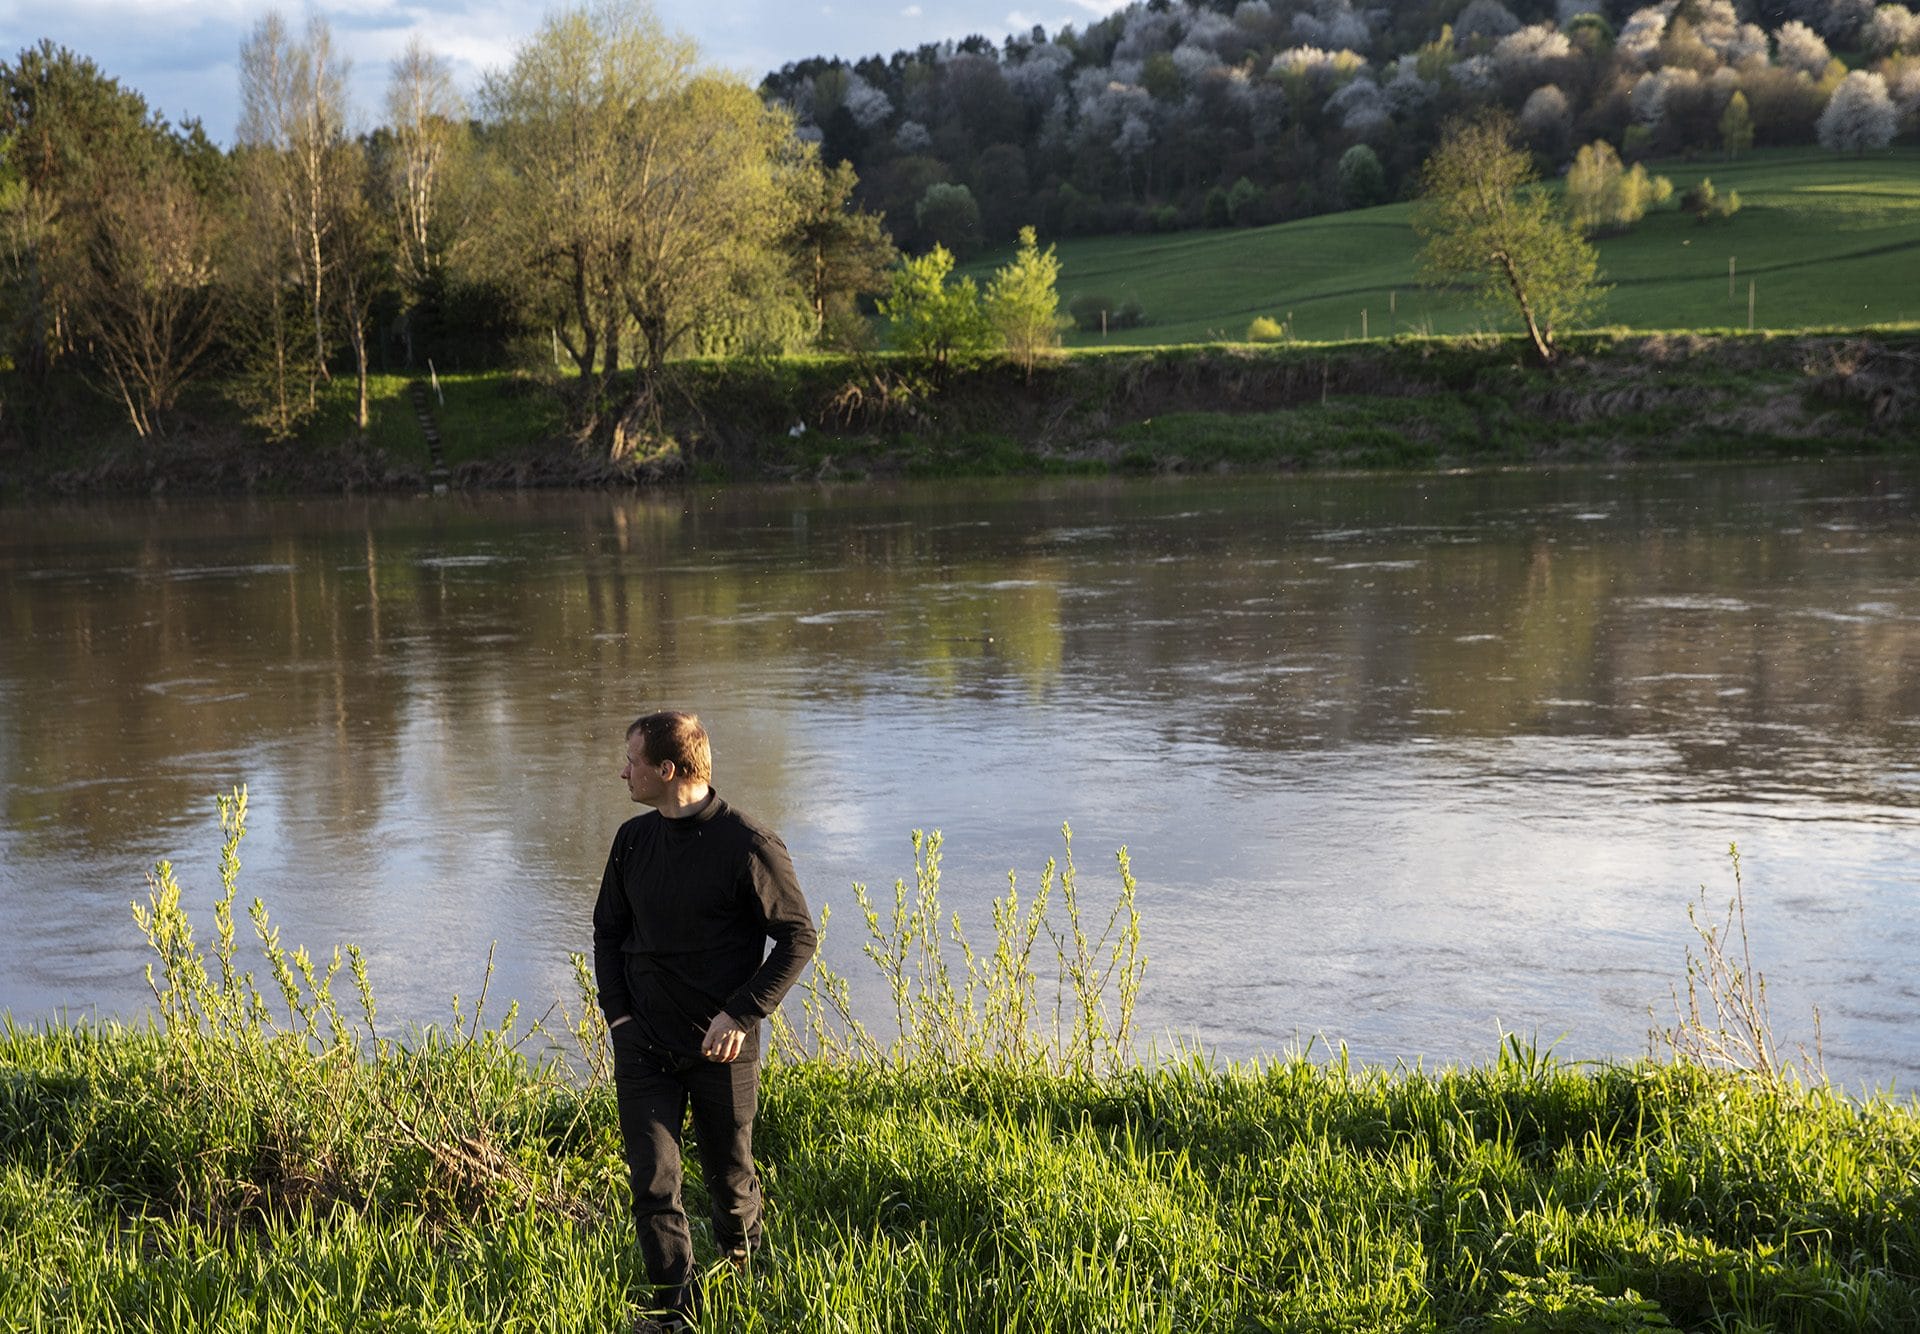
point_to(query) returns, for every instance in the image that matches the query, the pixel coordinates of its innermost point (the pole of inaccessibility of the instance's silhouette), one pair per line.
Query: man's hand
(724, 1038)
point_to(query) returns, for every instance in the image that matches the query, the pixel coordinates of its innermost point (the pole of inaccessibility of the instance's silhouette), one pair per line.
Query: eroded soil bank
(1410, 403)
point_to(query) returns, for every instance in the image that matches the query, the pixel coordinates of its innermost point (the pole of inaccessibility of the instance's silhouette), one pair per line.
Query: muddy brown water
(1400, 762)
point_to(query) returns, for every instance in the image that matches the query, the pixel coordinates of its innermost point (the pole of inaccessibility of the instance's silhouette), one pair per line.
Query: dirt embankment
(1451, 402)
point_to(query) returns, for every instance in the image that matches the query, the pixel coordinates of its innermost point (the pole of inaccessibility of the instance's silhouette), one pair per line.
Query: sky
(181, 54)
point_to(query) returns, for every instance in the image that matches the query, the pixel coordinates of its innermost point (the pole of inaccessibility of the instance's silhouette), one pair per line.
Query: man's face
(646, 782)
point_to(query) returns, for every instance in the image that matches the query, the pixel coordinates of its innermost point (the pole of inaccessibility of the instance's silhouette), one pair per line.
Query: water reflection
(1399, 760)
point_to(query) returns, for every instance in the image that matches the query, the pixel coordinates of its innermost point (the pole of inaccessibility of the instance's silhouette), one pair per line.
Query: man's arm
(784, 917)
(612, 922)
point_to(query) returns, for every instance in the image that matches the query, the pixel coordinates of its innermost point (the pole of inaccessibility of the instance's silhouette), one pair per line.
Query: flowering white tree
(1893, 28)
(1640, 36)
(1520, 54)
(1799, 47)
(1717, 24)
(1360, 107)
(1859, 116)
(1546, 121)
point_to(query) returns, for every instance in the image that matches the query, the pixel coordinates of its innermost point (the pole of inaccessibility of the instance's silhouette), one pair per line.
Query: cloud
(183, 55)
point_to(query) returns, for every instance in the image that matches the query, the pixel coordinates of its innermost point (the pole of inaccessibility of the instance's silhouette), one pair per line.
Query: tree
(931, 318)
(838, 252)
(1244, 201)
(1023, 301)
(68, 134)
(947, 215)
(639, 192)
(293, 116)
(1736, 125)
(1860, 115)
(146, 298)
(1604, 196)
(1485, 228)
(1363, 182)
(364, 251)
(427, 126)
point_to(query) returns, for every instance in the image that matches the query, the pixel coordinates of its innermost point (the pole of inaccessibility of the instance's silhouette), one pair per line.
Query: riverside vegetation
(994, 1158)
(1407, 403)
(1360, 367)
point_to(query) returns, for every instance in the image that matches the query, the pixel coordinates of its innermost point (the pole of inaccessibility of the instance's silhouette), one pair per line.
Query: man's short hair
(678, 737)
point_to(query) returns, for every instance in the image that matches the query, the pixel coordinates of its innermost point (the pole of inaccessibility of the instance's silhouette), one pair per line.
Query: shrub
(1606, 197)
(1708, 205)
(1265, 329)
(1130, 315)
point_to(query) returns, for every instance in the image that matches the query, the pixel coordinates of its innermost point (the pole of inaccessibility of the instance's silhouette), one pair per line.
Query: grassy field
(261, 1162)
(1830, 242)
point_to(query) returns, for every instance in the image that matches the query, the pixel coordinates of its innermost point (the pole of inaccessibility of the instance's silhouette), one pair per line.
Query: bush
(1265, 329)
(1130, 315)
(1708, 205)
(1606, 197)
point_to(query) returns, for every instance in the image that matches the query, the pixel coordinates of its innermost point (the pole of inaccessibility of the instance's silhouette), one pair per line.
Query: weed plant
(256, 1159)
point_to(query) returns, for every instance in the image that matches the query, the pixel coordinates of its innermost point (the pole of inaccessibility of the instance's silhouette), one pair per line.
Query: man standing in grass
(692, 892)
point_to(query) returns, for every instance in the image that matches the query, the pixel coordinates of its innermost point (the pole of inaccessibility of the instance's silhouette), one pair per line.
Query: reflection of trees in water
(358, 655)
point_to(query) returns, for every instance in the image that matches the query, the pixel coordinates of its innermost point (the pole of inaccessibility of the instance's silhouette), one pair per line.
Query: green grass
(229, 1169)
(1517, 1195)
(1831, 242)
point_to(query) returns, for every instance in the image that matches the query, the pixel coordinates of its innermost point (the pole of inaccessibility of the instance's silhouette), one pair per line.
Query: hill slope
(1828, 241)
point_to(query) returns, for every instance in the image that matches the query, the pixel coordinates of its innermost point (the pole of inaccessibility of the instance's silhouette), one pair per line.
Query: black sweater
(681, 927)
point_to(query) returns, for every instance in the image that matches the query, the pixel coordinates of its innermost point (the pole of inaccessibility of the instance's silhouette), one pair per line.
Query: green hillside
(1828, 241)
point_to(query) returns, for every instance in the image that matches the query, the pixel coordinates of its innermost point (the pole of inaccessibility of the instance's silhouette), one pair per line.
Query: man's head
(667, 753)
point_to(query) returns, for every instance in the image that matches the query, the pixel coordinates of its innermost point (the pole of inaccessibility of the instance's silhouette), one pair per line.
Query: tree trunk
(583, 311)
(359, 335)
(1542, 340)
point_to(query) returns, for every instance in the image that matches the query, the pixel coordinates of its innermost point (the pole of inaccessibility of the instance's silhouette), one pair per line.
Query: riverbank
(1410, 403)
(1515, 1195)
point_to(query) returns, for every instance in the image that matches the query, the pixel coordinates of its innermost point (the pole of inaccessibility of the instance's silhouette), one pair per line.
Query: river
(1400, 762)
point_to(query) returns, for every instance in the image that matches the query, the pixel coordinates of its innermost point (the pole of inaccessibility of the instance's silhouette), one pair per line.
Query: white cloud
(181, 55)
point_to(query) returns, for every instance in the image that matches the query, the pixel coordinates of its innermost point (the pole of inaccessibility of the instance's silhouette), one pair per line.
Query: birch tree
(1487, 230)
(426, 121)
(292, 135)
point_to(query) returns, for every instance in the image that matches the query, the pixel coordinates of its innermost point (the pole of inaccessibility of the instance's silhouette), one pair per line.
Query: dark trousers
(654, 1090)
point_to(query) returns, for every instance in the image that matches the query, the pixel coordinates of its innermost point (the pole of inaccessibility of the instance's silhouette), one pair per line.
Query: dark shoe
(657, 1325)
(670, 1322)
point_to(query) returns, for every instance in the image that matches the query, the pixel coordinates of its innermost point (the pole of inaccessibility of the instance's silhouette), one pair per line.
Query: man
(693, 891)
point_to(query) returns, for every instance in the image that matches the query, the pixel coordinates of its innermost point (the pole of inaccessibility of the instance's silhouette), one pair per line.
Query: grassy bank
(1513, 1196)
(257, 1160)
(1387, 403)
